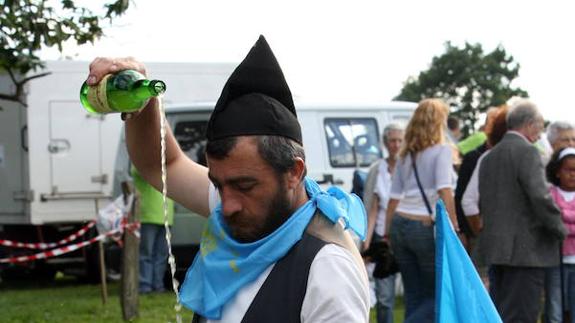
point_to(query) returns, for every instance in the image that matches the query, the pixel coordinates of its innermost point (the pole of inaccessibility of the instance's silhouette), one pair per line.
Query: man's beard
(277, 213)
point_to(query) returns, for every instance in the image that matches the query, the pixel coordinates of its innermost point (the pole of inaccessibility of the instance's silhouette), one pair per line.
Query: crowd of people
(511, 200)
(277, 248)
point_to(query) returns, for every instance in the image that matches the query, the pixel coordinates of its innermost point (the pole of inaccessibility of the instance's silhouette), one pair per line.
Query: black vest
(281, 296)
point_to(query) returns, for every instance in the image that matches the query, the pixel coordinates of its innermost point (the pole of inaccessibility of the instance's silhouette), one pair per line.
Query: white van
(338, 139)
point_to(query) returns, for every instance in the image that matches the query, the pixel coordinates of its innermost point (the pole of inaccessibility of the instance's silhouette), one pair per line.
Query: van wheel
(91, 266)
(44, 272)
(40, 272)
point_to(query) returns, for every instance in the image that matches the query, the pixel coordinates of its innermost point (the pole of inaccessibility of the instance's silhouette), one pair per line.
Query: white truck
(58, 163)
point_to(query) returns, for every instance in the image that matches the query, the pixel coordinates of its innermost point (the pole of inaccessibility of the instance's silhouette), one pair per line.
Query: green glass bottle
(125, 91)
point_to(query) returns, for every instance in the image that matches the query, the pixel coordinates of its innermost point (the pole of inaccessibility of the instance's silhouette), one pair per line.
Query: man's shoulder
(515, 140)
(333, 251)
(337, 288)
(374, 167)
(333, 257)
(511, 144)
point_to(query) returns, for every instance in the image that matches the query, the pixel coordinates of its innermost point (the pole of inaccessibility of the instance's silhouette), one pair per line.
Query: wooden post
(130, 267)
(103, 282)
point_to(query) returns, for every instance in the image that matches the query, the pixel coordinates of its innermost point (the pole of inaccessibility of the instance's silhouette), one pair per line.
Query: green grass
(67, 300)
(398, 311)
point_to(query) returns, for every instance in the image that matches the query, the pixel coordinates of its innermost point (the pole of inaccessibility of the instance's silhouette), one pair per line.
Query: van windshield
(352, 142)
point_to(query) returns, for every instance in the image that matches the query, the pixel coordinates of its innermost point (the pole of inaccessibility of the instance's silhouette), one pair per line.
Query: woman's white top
(435, 169)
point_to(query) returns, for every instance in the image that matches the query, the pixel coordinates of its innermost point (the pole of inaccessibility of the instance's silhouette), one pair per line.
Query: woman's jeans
(153, 257)
(553, 306)
(413, 245)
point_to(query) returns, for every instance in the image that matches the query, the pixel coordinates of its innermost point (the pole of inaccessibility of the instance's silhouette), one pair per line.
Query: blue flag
(460, 294)
(224, 266)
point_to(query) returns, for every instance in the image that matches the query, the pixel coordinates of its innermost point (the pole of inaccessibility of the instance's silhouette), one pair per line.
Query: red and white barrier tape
(42, 245)
(66, 249)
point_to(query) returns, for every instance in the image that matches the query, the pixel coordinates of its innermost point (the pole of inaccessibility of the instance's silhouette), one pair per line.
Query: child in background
(561, 173)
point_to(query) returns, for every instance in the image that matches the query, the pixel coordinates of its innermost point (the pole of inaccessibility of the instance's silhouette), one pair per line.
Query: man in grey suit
(522, 227)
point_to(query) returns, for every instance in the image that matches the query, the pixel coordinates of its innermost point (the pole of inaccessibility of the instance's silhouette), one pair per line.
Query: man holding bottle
(275, 248)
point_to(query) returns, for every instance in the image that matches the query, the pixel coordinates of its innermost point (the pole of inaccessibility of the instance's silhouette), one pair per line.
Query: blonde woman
(423, 174)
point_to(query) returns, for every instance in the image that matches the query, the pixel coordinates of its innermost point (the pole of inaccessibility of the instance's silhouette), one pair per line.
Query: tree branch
(23, 81)
(12, 77)
(12, 97)
(17, 96)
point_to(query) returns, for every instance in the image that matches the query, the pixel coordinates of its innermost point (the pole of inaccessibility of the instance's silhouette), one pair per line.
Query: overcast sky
(353, 50)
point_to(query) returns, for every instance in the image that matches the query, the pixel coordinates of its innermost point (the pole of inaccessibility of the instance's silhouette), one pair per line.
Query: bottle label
(98, 97)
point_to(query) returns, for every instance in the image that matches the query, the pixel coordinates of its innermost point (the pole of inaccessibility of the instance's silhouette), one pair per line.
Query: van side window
(191, 138)
(352, 142)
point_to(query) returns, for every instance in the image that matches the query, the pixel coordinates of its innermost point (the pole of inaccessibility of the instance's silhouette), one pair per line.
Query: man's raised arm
(187, 181)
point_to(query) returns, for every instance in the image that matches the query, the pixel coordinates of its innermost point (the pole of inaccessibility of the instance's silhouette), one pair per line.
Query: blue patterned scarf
(223, 266)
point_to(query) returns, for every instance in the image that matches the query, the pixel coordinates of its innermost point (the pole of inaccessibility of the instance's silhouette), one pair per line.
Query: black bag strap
(419, 185)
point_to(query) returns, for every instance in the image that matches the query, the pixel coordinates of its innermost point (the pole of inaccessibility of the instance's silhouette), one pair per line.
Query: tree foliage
(469, 80)
(26, 26)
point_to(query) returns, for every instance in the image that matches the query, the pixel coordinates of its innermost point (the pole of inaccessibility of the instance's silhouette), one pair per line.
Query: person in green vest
(478, 138)
(153, 244)
(472, 142)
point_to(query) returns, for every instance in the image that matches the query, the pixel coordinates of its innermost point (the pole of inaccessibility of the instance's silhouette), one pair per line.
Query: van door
(13, 163)
(75, 149)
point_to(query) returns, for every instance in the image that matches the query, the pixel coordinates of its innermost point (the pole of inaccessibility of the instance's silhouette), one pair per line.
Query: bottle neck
(145, 88)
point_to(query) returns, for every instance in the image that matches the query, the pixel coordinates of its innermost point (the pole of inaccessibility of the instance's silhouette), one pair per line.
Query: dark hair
(553, 167)
(220, 148)
(452, 123)
(201, 155)
(279, 152)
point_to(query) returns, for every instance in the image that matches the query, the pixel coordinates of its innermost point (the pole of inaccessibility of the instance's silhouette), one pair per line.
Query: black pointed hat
(256, 100)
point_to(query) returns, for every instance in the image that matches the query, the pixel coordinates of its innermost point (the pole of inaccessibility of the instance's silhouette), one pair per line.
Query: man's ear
(295, 174)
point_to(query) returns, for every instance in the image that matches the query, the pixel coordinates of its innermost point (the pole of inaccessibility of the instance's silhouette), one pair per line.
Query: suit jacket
(521, 224)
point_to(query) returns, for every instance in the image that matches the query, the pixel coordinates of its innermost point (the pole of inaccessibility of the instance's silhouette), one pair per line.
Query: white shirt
(382, 190)
(336, 290)
(568, 196)
(435, 169)
(470, 199)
